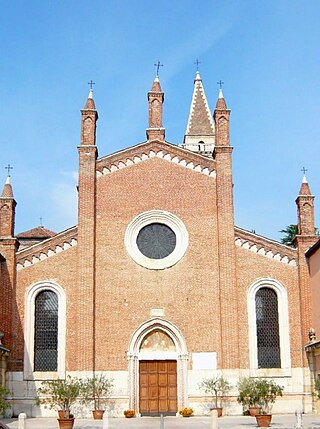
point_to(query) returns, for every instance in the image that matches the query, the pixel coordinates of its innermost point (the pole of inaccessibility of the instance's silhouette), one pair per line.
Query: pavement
(194, 422)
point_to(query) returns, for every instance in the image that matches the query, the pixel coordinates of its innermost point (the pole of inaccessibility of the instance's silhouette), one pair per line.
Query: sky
(266, 52)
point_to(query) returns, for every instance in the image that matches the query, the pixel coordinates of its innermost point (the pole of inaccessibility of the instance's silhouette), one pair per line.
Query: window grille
(46, 332)
(267, 320)
(156, 241)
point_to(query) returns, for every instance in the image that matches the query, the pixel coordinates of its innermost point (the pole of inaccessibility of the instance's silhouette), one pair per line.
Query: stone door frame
(181, 356)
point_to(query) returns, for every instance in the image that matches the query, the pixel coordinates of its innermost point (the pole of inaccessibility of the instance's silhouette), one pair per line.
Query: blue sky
(266, 52)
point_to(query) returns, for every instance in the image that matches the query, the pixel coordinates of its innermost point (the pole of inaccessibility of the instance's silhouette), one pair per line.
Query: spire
(155, 131)
(90, 102)
(304, 189)
(7, 189)
(221, 102)
(199, 136)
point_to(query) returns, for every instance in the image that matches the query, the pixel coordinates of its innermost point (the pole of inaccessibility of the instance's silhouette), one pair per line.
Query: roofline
(313, 248)
(27, 249)
(270, 240)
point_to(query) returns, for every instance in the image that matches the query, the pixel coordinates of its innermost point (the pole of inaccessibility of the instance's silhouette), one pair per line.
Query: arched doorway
(157, 369)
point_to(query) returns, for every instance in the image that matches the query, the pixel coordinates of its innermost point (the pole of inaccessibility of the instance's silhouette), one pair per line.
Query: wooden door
(158, 387)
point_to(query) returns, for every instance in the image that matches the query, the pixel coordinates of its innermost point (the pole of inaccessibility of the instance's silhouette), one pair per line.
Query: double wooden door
(158, 387)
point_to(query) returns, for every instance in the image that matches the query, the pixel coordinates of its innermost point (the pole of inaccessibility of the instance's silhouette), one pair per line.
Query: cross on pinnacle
(220, 83)
(304, 170)
(8, 168)
(158, 65)
(197, 62)
(91, 83)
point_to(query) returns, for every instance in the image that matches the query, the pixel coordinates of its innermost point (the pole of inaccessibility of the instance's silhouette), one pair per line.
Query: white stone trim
(30, 297)
(160, 154)
(181, 356)
(42, 255)
(284, 331)
(260, 250)
(160, 216)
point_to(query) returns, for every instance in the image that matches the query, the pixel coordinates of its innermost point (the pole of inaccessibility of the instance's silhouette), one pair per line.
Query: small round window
(156, 241)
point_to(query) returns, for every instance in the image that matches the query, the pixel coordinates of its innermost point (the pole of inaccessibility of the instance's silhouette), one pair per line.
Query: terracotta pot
(98, 414)
(219, 410)
(263, 420)
(66, 423)
(63, 414)
(253, 411)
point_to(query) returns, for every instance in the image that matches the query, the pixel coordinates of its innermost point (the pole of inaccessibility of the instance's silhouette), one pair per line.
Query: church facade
(155, 286)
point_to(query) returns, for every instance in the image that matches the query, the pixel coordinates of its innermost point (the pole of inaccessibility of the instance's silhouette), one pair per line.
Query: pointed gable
(164, 150)
(200, 121)
(200, 132)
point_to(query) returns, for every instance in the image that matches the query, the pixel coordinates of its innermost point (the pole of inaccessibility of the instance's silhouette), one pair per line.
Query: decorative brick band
(264, 251)
(46, 249)
(152, 154)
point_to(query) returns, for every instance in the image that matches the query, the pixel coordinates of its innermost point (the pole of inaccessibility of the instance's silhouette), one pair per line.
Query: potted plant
(129, 413)
(249, 395)
(186, 412)
(60, 394)
(218, 387)
(268, 391)
(97, 389)
(4, 404)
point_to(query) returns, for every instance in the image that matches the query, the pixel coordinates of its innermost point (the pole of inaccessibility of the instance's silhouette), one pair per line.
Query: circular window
(156, 239)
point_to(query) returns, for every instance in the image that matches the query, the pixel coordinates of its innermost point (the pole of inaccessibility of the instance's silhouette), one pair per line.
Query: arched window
(267, 323)
(46, 331)
(201, 145)
(269, 338)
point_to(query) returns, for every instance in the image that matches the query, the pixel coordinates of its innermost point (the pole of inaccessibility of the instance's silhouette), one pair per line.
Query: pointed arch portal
(158, 359)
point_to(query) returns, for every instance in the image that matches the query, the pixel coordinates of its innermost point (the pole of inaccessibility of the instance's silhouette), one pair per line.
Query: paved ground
(239, 422)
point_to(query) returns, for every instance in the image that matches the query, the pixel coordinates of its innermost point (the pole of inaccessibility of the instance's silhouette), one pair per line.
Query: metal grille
(156, 241)
(267, 328)
(46, 332)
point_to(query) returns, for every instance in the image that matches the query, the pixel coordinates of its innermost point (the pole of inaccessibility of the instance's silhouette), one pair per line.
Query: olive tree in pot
(97, 389)
(268, 391)
(61, 395)
(218, 387)
(248, 395)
